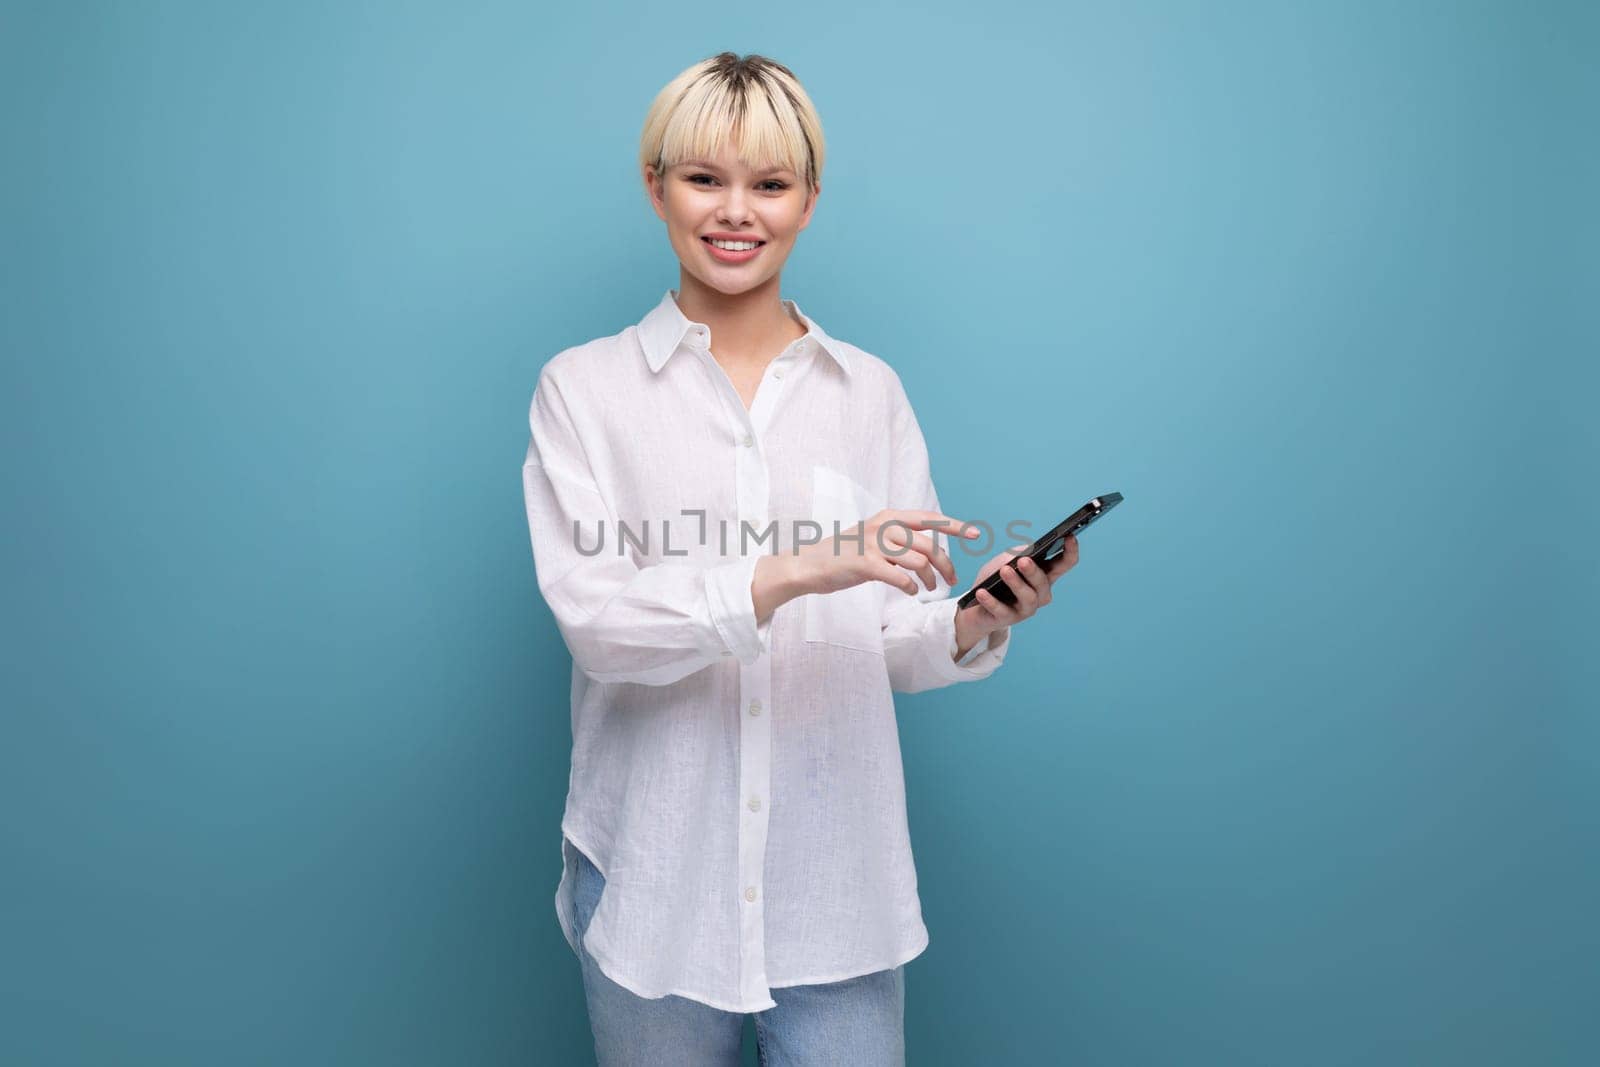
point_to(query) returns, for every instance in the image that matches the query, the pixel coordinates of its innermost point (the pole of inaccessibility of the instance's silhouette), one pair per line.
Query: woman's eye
(771, 185)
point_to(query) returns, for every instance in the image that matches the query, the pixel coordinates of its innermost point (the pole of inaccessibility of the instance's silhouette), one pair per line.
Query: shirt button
(755, 803)
(748, 441)
(750, 893)
(777, 374)
(727, 652)
(755, 707)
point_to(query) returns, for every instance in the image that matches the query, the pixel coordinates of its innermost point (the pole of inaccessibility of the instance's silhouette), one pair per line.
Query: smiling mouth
(709, 241)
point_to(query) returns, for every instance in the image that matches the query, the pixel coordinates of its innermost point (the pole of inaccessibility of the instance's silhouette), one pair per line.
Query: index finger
(935, 520)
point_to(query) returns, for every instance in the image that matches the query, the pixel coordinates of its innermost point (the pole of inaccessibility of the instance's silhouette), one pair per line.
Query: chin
(730, 286)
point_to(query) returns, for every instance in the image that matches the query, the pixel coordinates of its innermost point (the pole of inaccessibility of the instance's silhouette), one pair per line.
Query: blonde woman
(734, 525)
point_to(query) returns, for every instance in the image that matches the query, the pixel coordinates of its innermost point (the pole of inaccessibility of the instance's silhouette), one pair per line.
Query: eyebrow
(712, 166)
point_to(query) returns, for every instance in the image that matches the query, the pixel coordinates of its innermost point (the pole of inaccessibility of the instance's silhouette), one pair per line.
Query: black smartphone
(1045, 550)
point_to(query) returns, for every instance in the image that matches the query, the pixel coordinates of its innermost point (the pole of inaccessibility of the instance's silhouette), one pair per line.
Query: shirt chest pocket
(853, 617)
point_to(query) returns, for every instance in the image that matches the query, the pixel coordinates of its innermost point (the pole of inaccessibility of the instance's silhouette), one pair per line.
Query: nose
(734, 208)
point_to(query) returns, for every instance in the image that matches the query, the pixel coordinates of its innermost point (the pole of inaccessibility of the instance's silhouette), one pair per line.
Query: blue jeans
(859, 1021)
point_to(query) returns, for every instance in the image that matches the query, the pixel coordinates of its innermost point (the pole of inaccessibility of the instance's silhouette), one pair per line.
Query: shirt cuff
(733, 609)
(939, 645)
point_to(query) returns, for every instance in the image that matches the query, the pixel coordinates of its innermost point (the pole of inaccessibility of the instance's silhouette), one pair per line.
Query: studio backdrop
(1299, 768)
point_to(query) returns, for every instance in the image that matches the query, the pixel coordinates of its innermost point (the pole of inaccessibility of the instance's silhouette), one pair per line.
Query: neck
(748, 327)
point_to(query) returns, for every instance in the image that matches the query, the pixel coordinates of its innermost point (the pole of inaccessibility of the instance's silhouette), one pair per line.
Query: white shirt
(739, 785)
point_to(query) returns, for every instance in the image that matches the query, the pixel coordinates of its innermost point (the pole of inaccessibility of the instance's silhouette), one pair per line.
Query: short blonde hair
(754, 101)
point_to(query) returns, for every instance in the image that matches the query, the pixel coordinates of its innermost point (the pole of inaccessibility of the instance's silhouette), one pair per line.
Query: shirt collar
(666, 328)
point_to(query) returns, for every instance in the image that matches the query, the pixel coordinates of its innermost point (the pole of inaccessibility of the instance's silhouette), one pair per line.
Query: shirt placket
(753, 497)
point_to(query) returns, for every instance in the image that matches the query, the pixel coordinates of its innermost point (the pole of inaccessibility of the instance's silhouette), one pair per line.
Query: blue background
(1300, 767)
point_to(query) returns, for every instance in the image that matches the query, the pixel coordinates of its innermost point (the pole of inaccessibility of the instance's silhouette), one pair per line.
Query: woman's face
(722, 198)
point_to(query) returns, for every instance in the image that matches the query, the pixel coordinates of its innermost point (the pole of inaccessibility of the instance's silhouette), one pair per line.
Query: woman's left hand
(1028, 582)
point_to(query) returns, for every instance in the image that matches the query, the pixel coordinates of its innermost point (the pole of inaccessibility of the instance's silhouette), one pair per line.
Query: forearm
(778, 579)
(967, 635)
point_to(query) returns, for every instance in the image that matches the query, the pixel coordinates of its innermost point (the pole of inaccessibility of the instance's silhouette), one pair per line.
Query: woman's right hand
(890, 549)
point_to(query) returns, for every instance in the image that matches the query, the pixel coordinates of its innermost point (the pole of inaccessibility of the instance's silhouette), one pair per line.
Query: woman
(735, 528)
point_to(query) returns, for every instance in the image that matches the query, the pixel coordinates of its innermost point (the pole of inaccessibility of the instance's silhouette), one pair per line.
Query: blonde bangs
(755, 103)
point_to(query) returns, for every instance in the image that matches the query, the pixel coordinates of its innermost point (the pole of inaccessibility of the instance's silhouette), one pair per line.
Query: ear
(816, 191)
(656, 189)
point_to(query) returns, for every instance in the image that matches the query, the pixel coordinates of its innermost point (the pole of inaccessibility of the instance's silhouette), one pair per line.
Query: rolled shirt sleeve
(925, 645)
(624, 623)
(732, 604)
(919, 638)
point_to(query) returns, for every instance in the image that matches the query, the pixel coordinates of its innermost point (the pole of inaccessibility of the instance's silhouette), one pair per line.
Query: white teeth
(735, 246)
